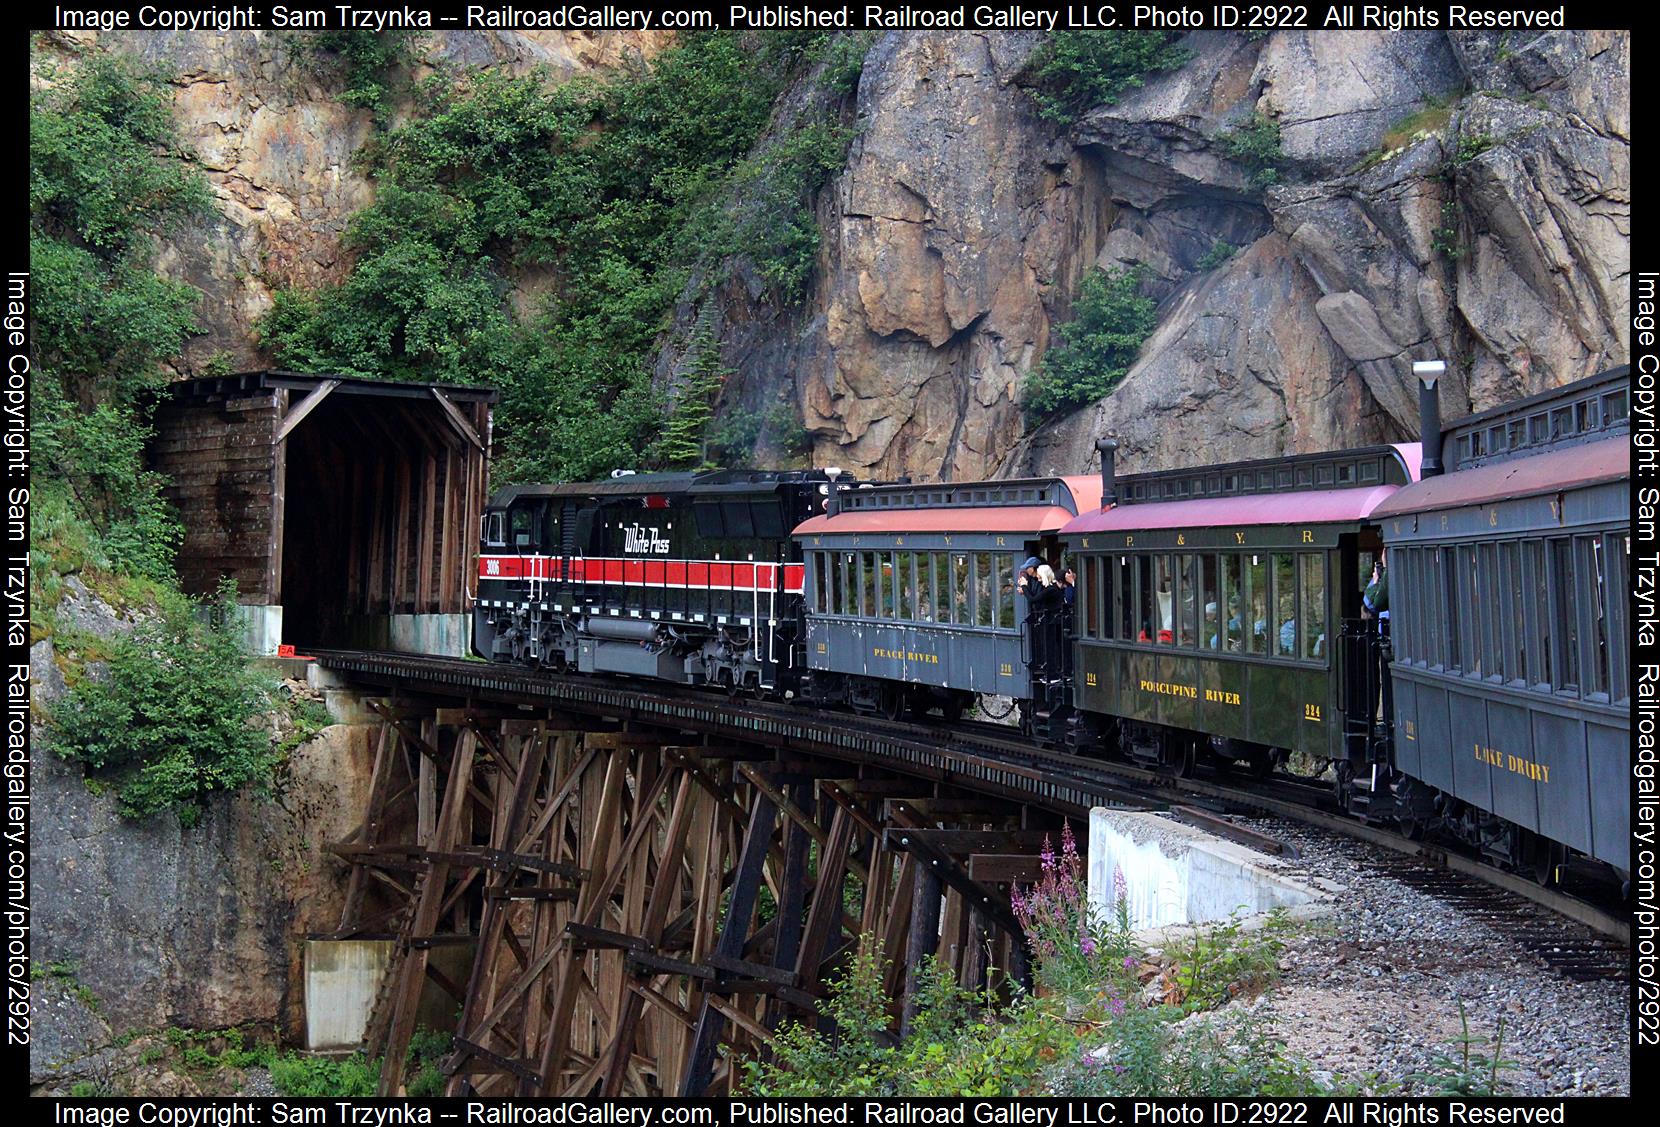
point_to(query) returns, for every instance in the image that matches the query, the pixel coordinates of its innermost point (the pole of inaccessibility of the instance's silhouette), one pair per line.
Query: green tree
(609, 192)
(683, 443)
(105, 179)
(1111, 319)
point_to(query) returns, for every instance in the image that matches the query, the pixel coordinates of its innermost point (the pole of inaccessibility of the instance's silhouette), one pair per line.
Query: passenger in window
(1214, 638)
(1288, 638)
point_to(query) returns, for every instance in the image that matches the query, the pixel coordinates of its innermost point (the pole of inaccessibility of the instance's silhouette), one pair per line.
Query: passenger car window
(1285, 604)
(1314, 606)
(1187, 602)
(1210, 628)
(985, 590)
(959, 589)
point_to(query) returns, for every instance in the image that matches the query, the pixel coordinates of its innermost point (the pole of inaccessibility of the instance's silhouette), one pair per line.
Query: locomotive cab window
(494, 530)
(522, 521)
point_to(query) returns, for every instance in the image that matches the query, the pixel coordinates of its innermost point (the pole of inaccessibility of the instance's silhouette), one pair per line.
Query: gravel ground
(1374, 986)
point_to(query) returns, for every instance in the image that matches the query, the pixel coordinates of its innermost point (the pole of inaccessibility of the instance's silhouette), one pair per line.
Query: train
(1218, 617)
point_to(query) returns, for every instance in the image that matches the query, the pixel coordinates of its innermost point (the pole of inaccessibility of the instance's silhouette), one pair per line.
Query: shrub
(353, 1076)
(169, 721)
(1469, 1070)
(1255, 143)
(370, 63)
(1222, 962)
(1094, 351)
(1147, 1053)
(1076, 70)
(1220, 251)
(843, 55)
(957, 1045)
(853, 1061)
(104, 180)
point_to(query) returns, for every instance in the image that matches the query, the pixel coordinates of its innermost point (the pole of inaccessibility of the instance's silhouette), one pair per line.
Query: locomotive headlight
(824, 491)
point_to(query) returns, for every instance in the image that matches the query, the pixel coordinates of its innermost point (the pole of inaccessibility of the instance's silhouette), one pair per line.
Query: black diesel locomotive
(683, 577)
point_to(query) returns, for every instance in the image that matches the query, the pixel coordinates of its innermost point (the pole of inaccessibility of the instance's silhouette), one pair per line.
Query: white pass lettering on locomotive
(645, 541)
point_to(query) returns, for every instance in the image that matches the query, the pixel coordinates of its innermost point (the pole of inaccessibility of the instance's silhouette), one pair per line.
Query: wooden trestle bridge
(650, 884)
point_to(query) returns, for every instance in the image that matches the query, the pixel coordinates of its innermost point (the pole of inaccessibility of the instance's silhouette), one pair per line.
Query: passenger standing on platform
(1026, 581)
(1044, 602)
(1375, 602)
(1069, 586)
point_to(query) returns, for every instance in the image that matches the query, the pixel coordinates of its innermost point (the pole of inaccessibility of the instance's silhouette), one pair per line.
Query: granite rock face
(1495, 232)
(196, 927)
(265, 124)
(958, 225)
(1497, 237)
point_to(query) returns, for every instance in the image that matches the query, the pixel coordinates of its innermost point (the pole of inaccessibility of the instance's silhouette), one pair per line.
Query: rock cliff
(1455, 195)
(1463, 195)
(265, 122)
(198, 928)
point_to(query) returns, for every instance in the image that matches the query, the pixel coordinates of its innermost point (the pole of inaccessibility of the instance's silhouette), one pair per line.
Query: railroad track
(990, 758)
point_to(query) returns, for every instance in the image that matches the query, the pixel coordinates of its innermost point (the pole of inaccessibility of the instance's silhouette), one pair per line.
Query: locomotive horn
(1429, 415)
(1109, 492)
